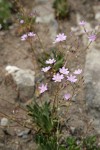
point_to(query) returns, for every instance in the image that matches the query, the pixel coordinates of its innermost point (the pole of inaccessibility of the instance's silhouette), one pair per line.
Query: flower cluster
(46, 69)
(21, 21)
(71, 78)
(91, 37)
(78, 71)
(43, 88)
(67, 96)
(63, 72)
(82, 23)
(59, 76)
(60, 37)
(25, 36)
(49, 62)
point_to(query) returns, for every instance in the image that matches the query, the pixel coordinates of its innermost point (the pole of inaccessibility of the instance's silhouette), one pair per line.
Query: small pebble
(4, 122)
(24, 133)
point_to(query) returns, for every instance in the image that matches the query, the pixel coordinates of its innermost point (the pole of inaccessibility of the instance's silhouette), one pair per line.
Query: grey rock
(92, 74)
(92, 82)
(46, 15)
(97, 16)
(72, 130)
(4, 122)
(53, 29)
(74, 98)
(2, 33)
(2, 145)
(75, 131)
(25, 81)
(24, 133)
(97, 12)
(25, 136)
(96, 124)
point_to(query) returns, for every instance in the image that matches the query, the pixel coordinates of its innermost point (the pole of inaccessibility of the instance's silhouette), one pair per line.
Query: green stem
(57, 133)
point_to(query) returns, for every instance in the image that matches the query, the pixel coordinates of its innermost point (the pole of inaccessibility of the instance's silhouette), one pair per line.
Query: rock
(2, 33)
(97, 16)
(77, 131)
(4, 122)
(74, 98)
(24, 80)
(53, 29)
(92, 83)
(96, 124)
(97, 12)
(46, 15)
(24, 134)
(72, 130)
(2, 145)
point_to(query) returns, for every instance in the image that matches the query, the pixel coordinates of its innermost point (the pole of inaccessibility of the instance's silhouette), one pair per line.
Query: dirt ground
(14, 52)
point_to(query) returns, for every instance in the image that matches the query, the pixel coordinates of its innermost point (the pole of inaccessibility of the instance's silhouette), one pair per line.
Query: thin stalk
(55, 97)
(68, 51)
(40, 41)
(57, 133)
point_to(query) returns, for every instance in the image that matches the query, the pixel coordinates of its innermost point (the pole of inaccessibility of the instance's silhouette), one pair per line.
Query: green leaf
(58, 64)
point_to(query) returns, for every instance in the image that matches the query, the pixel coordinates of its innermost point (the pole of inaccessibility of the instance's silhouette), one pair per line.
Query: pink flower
(71, 78)
(67, 96)
(50, 61)
(92, 38)
(21, 21)
(57, 77)
(82, 23)
(78, 71)
(43, 88)
(24, 37)
(60, 37)
(46, 69)
(31, 34)
(64, 70)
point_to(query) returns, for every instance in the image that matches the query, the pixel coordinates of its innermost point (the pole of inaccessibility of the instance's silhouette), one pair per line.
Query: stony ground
(14, 52)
